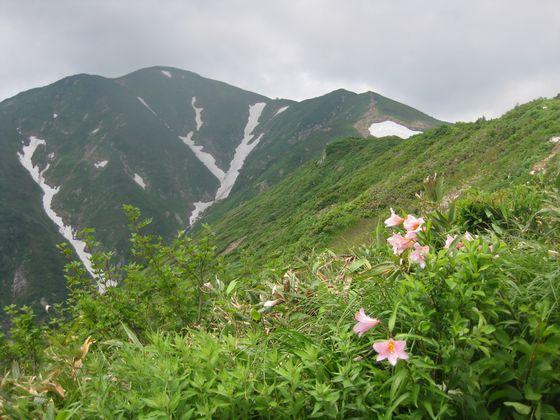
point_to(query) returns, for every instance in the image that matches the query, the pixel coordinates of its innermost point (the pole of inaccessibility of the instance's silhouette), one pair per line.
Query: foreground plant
(389, 349)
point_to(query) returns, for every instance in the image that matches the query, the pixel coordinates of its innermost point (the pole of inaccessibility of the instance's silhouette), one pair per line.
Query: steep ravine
(26, 159)
(227, 179)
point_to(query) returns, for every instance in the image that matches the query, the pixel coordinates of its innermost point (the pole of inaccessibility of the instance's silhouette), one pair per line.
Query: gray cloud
(451, 59)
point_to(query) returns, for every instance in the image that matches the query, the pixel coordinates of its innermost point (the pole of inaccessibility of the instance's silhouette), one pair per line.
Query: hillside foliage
(439, 300)
(187, 336)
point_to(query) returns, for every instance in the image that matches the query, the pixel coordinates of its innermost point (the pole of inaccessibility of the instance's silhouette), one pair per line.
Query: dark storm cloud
(451, 59)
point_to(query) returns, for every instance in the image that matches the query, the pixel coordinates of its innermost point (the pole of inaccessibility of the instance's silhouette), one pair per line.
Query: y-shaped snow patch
(248, 143)
(227, 181)
(139, 180)
(101, 164)
(281, 110)
(391, 128)
(206, 158)
(197, 114)
(25, 157)
(147, 106)
(199, 208)
(166, 73)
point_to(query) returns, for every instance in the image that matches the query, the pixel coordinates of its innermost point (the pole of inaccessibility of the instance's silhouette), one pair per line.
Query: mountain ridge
(161, 139)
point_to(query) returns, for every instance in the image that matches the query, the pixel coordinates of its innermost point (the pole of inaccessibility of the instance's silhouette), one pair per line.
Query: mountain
(167, 141)
(336, 200)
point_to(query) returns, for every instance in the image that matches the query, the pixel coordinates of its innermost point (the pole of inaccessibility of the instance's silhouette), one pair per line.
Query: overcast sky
(455, 60)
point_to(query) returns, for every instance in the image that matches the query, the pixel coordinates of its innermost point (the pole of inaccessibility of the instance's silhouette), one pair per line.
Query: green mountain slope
(301, 132)
(165, 140)
(339, 197)
(224, 107)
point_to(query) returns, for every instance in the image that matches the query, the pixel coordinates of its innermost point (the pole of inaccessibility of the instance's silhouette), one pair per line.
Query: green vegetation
(356, 180)
(187, 335)
(266, 328)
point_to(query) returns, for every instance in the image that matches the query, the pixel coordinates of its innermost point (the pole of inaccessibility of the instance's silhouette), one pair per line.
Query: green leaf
(15, 370)
(256, 315)
(231, 287)
(133, 338)
(531, 394)
(520, 408)
(357, 264)
(393, 318)
(397, 381)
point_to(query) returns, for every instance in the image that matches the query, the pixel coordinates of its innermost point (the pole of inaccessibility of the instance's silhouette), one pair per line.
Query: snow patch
(51, 156)
(95, 131)
(101, 164)
(206, 158)
(248, 143)
(55, 116)
(25, 158)
(391, 128)
(139, 180)
(198, 114)
(199, 208)
(227, 179)
(147, 106)
(166, 73)
(281, 110)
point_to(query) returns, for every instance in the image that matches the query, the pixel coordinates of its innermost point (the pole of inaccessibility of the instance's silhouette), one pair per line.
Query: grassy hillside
(467, 329)
(302, 131)
(335, 199)
(30, 264)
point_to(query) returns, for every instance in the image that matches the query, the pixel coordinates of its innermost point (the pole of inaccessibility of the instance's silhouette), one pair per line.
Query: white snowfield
(147, 106)
(206, 158)
(166, 73)
(197, 114)
(281, 110)
(227, 179)
(25, 157)
(55, 116)
(101, 164)
(391, 128)
(140, 181)
(248, 143)
(199, 208)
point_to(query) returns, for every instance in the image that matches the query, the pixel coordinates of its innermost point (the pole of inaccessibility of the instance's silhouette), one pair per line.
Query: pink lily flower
(364, 322)
(412, 223)
(418, 255)
(394, 220)
(411, 235)
(400, 243)
(391, 350)
(449, 240)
